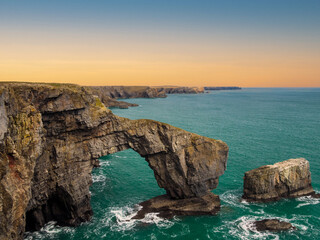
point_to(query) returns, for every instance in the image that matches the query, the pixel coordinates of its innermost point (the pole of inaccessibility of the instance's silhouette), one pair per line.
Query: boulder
(273, 225)
(287, 179)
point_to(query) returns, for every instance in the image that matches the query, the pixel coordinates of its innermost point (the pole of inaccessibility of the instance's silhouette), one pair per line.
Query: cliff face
(109, 94)
(180, 90)
(287, 179)
(121, 92)
(51, 137)
(222, 88)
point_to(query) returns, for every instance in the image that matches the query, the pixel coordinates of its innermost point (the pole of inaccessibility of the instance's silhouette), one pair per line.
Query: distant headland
(109, 94)
(222, 88)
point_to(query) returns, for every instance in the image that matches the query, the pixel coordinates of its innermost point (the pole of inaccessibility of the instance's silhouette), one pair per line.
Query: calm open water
(261, 126)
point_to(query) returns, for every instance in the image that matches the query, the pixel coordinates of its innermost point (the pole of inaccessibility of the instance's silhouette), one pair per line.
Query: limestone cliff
(287, 179)
(51, 136)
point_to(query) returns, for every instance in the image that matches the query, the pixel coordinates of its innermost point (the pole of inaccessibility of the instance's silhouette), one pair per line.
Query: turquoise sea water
(261, 126)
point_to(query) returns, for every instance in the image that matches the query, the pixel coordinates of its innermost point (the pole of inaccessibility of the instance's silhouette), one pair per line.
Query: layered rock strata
(287, 179)
(180, 90)
(123, 92)
(109, 94)
(51, 136)
(167, 207)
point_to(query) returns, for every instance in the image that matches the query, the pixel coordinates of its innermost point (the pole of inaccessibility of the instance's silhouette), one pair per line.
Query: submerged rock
(51, 136)
(273, 225)
(167, 207)
(287, 179)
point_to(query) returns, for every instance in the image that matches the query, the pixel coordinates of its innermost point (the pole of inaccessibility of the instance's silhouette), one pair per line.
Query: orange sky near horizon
(146, 74)
(154, 64)
(253, 45)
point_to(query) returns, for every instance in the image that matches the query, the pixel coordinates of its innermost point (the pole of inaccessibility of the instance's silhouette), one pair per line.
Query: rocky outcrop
(180, 90)
(109, 94)
(51, 136)
(122, 92)
(221, 88)
(113, 103)
(287, 179)
(273, 225)
(106, 95)
(316, 195)
(167, 207)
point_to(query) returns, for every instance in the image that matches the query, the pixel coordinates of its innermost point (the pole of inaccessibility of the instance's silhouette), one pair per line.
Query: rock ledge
(167, 207)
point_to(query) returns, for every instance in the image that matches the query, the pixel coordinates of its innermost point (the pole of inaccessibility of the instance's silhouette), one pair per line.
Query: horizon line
(155, 86)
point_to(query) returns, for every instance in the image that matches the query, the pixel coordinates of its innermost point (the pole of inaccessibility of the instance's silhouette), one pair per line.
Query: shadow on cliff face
(58, 208)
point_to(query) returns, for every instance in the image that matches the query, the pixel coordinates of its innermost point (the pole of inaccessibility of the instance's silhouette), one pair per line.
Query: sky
(256, 43)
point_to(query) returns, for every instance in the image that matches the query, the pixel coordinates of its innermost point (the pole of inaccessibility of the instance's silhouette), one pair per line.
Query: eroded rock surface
(121, 92)
(287, 179)
(180, 90)
(273, 225)
(108, 97)
(51, 136)
(109, 94)
(167, 207)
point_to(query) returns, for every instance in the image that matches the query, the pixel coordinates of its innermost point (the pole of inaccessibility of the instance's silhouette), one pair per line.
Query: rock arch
(53, 136)
(186, 165)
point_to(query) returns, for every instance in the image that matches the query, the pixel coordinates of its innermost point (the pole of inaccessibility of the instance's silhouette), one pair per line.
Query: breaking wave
(122, 219)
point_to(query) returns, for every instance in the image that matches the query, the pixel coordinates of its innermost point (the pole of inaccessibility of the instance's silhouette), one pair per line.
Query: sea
(261, 126)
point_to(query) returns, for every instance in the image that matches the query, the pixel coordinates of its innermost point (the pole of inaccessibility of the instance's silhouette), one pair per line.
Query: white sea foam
(249, 231)
(104, 163)
(98, 178)
(244, 201)
(50, 230)
(122, 219)
(153, 218)
(232, 198)
(244, 227)
(308, 200)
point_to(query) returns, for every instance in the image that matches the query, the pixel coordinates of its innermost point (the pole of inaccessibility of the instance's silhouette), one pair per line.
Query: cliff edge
(51, 136)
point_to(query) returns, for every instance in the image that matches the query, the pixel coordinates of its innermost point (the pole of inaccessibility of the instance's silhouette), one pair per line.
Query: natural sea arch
(123, 178)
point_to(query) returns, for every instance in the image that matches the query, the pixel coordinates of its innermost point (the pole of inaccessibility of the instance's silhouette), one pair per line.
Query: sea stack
(287, 179)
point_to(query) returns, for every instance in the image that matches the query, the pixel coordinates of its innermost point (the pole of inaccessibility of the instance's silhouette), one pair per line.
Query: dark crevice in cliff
(59, 208)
